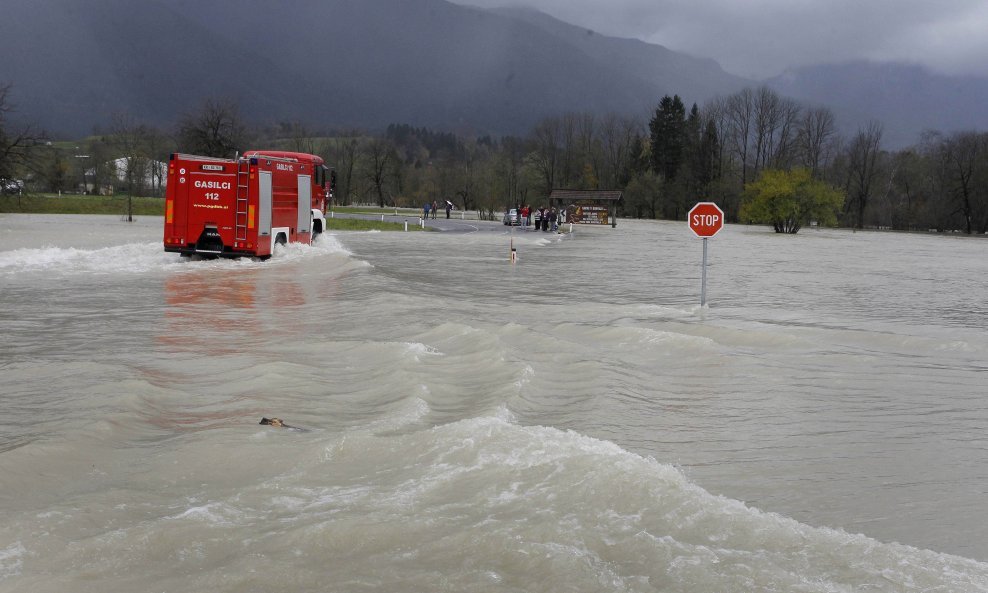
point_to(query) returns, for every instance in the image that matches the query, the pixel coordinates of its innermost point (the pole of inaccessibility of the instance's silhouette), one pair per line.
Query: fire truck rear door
(264, 204)
(304, 203)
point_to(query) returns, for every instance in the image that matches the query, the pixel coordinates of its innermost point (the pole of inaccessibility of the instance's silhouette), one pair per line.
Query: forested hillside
(328, 63)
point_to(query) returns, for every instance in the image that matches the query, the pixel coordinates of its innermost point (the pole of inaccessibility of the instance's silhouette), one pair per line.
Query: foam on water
(525, 503)
(589, 506)
(419, 350)
(11, 560)
(143, 257)
(477, 501)
(134, 257)
(212, 513)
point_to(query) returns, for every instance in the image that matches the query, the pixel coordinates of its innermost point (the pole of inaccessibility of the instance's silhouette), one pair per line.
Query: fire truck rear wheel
(280, 241)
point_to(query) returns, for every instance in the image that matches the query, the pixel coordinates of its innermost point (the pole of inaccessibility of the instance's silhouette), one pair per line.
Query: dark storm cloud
(764, 37)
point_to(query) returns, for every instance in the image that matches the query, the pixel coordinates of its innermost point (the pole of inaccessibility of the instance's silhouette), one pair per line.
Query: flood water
(570, 422)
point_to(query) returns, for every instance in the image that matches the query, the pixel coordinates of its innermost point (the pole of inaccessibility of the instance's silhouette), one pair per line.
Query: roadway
(454, 224)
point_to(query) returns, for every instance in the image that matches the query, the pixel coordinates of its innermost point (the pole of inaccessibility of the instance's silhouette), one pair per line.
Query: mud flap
(210, 242)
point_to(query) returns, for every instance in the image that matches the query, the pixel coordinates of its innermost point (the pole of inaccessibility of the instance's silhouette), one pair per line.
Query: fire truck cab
(244, 206)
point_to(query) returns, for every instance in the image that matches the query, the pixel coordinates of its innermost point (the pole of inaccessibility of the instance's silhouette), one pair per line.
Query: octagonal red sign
(705, 219)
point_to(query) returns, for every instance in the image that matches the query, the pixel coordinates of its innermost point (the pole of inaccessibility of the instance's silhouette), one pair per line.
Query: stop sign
(706, 219)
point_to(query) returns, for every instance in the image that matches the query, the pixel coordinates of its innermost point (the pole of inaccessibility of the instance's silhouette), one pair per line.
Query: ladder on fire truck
(243, 187)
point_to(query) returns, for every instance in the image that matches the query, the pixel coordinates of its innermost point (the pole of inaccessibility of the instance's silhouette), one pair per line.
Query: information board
(587, 214)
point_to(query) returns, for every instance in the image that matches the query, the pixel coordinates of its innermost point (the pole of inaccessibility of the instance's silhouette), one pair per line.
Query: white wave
(418, 349)
(503, 414)
(408, 412)
(662, 311)
(323, 244)
(213, 513)
(576, 499)
(12, 560)
(652, 336)
(144, 257)
(526, 377)
(623, 336)
(132, 257)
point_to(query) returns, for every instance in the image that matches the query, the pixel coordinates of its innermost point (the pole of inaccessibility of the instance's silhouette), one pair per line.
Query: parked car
(511, 218)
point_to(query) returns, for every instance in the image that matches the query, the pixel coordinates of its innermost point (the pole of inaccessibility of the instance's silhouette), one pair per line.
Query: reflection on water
(212, 313)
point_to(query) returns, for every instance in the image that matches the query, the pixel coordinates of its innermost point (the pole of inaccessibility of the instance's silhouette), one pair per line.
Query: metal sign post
(705, 220)
(703, 285)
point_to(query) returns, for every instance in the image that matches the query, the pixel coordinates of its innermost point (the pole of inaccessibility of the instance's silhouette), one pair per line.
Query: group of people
(546, 219)
(433, 208)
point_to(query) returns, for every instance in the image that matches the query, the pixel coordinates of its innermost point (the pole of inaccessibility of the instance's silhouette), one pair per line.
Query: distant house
(119, 174)
(11, 186)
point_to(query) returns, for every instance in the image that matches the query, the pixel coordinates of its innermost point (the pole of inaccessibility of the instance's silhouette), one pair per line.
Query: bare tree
(17, 147)
(379, 156)
(342, 154)
(716, 111)
(937, 211)
(862, 169)
(618, 136)
(132, 141)
(216, 129)
(784, 133)
(571, 163)
(546, 151)
(589, 149)
(963, 154)
(739, 110)
(300, 137)
(775, 128)
(469, 176)
(767, 108)
(814, 137)
(511, 164)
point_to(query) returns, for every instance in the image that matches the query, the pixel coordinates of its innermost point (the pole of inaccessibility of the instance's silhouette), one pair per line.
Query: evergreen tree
(668, 135)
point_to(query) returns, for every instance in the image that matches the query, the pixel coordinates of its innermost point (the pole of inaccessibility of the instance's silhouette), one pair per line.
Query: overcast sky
(761, 38)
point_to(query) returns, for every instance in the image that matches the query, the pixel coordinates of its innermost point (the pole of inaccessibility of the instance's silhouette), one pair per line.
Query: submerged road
(441, 223)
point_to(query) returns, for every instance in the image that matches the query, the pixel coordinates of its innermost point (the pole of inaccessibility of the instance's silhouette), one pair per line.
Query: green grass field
(75, 204)
(117, 205)
(373, 210)
(356, 224)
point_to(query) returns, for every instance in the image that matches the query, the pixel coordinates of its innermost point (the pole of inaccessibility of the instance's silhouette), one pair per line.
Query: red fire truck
(246, 205)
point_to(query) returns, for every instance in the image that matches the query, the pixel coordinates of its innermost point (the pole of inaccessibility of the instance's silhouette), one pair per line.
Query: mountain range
(432, 63)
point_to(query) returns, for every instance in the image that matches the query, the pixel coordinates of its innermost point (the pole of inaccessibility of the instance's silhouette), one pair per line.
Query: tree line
(736, 150)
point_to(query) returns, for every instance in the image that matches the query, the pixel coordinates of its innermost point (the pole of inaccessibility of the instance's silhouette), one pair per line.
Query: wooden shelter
(587, 206)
